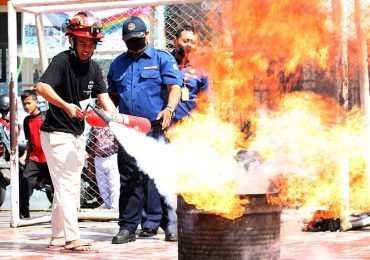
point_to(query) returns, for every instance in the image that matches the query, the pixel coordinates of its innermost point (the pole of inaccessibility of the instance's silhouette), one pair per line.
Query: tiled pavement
(31, 242)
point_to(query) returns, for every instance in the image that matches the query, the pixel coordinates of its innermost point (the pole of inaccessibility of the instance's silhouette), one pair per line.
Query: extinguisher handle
(156, 123)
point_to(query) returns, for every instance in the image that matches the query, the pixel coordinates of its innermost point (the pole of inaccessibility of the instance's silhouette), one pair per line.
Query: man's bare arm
(107, 103)
(173, 100)
(48, 93)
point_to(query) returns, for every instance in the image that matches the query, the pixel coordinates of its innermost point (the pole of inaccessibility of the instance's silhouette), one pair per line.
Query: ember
(323, 220)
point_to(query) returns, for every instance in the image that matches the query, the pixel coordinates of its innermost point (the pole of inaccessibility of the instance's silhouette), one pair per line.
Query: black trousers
(138, 193)
(35, 176)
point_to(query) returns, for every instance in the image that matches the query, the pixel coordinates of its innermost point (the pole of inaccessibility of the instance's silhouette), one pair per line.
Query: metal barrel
(255, 235)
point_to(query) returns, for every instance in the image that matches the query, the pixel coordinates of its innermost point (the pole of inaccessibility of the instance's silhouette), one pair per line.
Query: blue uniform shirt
(196, 81)
(141, 84)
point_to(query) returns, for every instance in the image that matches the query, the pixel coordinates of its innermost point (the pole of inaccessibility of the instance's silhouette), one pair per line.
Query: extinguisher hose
(101, 114)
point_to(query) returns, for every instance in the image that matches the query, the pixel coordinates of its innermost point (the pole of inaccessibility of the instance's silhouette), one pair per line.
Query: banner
(56, 41)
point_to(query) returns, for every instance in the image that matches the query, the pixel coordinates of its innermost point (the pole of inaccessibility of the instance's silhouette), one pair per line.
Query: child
(104, 148)
(36, 173)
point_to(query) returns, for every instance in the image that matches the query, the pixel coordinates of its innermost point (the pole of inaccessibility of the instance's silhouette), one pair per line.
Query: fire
(304, 143)
(208, 176)
(318, 221)
(305, 140)
(264, 43)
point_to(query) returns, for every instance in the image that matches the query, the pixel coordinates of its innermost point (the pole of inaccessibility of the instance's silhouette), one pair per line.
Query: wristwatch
(169, 108)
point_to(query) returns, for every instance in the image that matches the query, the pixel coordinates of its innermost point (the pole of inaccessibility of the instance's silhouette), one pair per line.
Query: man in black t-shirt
(71, 77)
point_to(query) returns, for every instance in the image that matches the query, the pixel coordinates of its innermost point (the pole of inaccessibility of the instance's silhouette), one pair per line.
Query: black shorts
(31, 168)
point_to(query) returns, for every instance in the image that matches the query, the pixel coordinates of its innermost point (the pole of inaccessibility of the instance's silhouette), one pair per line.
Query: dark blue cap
(133, 27)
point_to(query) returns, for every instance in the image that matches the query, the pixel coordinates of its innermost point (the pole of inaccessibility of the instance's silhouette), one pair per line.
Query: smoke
(153, 157)
(296, 151)
(197, 165)
(201, 164)
(298, 141)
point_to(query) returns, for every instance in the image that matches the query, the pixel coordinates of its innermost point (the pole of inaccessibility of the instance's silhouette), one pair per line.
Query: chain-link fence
(170, 18)
(208, 17)
(163, 22)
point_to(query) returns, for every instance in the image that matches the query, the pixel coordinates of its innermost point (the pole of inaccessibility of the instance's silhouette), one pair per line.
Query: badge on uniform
(150, 67)
(192, 71)
(184, 94)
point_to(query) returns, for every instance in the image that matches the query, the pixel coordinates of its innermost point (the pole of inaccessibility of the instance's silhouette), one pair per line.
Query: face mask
(183, 50)
(135, 44)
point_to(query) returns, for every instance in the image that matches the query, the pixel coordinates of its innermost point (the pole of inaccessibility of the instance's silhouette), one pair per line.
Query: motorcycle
(5, 156)
(4, 163)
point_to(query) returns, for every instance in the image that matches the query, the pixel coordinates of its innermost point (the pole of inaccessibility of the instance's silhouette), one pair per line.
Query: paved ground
(31, 242)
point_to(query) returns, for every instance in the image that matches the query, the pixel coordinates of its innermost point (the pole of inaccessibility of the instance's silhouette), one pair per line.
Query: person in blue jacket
(143, 82)
(195, 81)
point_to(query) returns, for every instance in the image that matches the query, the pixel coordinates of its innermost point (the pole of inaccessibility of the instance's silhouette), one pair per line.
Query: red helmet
(84, 25)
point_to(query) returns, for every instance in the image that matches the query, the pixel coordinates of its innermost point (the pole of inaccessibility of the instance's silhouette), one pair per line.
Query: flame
(207, 178)
(320, 215)
(265, 42)
(258, 52)
(308, 140)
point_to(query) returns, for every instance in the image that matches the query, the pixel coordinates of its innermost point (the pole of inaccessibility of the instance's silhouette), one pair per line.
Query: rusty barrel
(255, 235)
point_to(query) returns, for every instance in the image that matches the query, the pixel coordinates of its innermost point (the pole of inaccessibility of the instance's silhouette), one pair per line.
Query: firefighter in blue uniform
(143, 82)
(195, 81)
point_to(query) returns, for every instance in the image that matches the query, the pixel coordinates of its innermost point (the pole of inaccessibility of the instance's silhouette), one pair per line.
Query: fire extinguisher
(100, 118)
